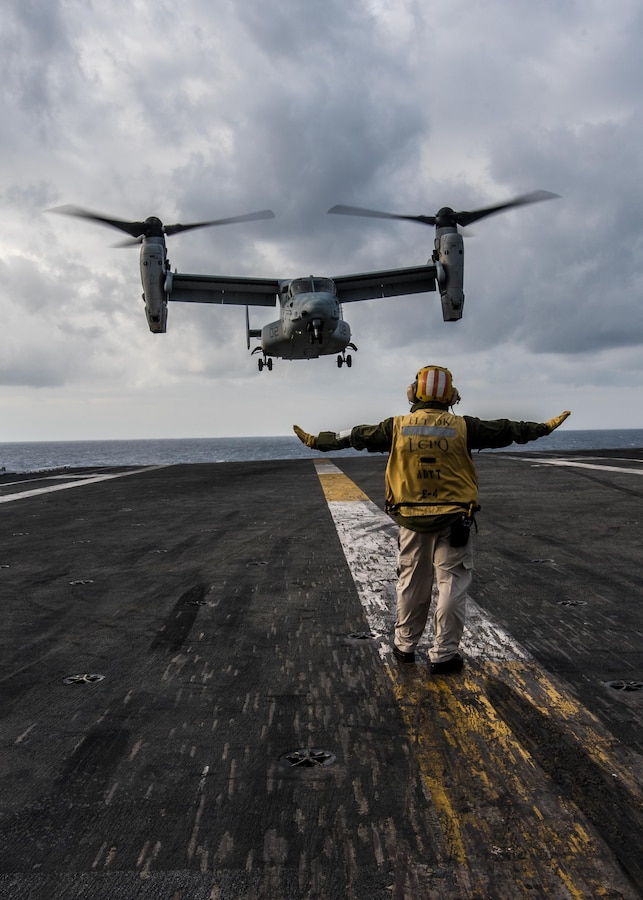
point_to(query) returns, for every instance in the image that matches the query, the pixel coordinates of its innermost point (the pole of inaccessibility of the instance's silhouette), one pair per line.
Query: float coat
(430, 471)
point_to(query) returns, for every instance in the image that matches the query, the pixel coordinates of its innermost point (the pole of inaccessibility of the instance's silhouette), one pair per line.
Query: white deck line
(93, 479)
(570, 463)
(369, 541)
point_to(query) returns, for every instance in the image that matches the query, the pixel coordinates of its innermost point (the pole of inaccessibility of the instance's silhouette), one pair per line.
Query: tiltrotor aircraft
(311, 321)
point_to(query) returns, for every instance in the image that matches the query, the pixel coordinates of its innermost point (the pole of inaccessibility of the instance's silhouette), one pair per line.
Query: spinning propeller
(448, 252)
(447, 217)
(152, 226)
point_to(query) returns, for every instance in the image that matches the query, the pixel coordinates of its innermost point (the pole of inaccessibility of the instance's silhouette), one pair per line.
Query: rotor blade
(466, 218)
(135, 229)
(129, 242)
(248, 217)
(375, 214)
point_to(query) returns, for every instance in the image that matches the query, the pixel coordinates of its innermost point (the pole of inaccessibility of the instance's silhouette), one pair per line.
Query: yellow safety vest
(430, 471)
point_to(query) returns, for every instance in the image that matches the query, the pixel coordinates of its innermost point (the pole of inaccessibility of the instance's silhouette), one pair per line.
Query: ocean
(38, 456)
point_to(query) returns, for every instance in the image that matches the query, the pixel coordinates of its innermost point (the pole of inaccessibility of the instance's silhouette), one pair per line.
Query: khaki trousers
(423, 557)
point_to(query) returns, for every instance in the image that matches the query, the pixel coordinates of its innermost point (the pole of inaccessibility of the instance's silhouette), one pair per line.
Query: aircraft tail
(251, 332)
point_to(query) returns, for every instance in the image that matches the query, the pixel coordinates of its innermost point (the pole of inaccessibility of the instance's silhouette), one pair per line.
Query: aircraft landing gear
(266, 361)
(343, 357)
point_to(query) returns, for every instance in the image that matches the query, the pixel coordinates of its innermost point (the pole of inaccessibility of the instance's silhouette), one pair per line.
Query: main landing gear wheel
(267, 363)
(344, 359)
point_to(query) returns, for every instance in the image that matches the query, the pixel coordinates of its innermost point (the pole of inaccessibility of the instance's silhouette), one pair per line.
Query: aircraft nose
(316, 306)
(318, 316)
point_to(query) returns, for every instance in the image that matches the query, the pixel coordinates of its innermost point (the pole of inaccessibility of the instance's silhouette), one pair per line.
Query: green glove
(552, 424)
(305, 438)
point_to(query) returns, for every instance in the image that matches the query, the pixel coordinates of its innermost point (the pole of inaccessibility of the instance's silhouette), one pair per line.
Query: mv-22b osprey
(311, 321)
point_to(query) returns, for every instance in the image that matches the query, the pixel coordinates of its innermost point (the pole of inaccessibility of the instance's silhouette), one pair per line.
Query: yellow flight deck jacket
(471, 434)
(430, 471)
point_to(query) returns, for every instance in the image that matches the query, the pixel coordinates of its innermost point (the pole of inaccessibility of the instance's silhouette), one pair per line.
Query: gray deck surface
(217, 606)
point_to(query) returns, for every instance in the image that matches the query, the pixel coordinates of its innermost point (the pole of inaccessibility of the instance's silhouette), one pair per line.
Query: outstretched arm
(482, 434)
(374, 438)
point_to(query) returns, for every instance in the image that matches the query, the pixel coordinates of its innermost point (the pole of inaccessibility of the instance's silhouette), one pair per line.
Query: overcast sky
(215, 108)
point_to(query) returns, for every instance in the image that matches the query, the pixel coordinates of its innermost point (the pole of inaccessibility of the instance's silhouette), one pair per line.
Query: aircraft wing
(222, 289)
(390, 283)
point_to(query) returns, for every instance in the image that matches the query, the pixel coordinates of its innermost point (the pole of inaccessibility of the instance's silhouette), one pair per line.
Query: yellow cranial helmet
(433, 383)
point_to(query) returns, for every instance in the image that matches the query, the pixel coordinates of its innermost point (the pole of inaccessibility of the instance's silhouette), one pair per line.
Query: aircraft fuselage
(310, 324)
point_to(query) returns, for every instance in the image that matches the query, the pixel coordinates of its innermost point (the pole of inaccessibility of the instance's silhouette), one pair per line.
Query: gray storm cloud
(220, 109)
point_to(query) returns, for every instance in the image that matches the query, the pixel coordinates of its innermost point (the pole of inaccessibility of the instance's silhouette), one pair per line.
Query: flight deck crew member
(432, 494)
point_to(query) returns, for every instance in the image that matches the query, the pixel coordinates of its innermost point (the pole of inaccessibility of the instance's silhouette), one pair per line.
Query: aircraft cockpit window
(301, 286)
(310, 285)
(325, 284)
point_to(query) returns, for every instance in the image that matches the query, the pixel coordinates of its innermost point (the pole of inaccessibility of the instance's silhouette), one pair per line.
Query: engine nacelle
(156, 317)
(450, 268)
(154, 277)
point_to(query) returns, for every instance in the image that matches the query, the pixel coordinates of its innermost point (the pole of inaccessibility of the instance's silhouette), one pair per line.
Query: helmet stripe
(434, 383)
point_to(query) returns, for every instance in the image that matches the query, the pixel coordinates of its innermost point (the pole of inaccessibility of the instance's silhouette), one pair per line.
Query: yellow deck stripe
(505, 824)
(339, 487)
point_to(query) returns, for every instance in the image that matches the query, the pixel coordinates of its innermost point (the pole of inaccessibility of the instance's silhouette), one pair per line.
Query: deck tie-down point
(307, 758)
(83, 679)
(625, 685)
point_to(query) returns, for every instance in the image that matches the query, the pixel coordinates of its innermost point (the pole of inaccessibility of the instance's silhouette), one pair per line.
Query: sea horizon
(34, 456)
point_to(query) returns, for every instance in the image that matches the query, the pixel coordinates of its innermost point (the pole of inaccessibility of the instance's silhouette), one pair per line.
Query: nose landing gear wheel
(265, 362)
(344, 359)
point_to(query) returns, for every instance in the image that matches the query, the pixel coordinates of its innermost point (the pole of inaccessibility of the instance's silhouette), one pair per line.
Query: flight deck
(198, 699)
